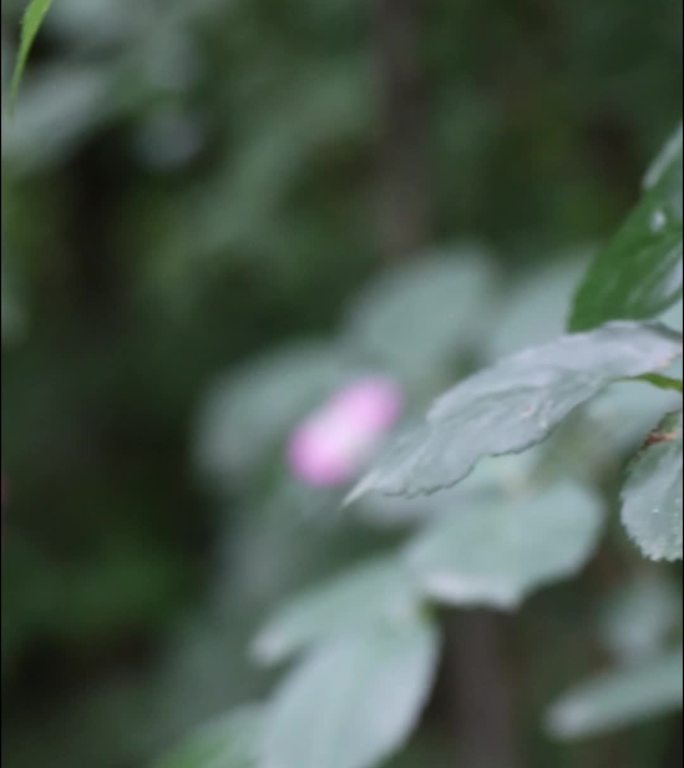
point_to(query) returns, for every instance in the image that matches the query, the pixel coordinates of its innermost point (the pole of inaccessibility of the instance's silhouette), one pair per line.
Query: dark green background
(190, 183)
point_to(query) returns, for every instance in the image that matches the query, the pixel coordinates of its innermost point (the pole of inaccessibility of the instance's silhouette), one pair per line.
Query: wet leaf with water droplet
(516, 404)
(639, 275)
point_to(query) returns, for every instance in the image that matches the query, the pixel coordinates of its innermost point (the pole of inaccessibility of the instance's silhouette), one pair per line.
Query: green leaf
(639, 275)
(353, 704)
(378, 591)
(33, 18)
(620, 699)
(496, 552)
(232, 742)
(652, 495)
(415, 320)
(516, 404)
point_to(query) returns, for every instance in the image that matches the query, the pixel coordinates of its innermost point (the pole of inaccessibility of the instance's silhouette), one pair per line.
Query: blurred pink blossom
(331, 445)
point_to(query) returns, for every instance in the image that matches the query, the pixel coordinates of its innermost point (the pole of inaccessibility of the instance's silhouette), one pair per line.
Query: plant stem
(481, 692)
(403, 184)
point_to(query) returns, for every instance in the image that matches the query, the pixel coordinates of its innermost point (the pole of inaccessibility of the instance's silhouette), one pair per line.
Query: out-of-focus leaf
(638, 618)
(510, 476)
(639, 275)
(414, 320)
(34, 15)
(621, 416)
(58, 107)
(496, 552)
(169, 139)
(535, 311)
(377, 592)
(246, 415)
(652, 495)
(91, 24)
(353, 704)
(516, 404)
(232, 742)
(326, 107)
(674, 317)
(620, 699)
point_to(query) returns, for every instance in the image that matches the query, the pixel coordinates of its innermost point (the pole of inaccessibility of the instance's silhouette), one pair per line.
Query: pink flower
(331, 446)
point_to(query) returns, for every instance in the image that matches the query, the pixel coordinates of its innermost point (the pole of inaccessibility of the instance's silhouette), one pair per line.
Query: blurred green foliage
(189, 186)
(33, 18)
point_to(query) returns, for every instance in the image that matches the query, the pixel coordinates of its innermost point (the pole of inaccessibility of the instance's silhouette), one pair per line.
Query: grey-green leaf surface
(231, 742)
(355, 702)
(652, 495)
(498, 551)
(620, 699)
(376, 592)
(516, 404)
(639, 275)
(414, 320)
(34, 15)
